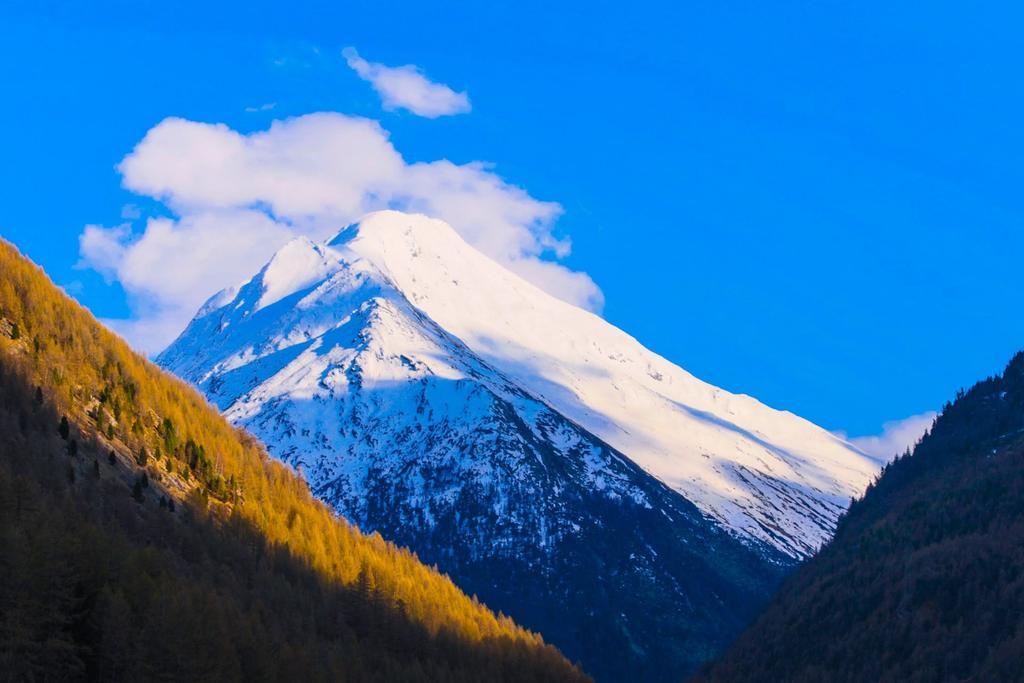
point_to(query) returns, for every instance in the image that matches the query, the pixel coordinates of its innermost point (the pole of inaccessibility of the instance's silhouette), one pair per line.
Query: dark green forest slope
(924, 580)
(143, 538)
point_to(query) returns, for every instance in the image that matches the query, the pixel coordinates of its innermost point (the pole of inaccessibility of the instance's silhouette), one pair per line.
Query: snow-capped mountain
(545, 459)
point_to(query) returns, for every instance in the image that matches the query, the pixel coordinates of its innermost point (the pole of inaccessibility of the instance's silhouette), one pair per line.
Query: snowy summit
(762, 473)
(527, 447)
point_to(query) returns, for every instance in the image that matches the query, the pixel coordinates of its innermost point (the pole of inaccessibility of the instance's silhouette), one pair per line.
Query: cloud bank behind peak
(236, 198)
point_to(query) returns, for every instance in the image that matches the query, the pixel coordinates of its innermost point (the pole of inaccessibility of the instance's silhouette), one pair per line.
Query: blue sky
(813, 203)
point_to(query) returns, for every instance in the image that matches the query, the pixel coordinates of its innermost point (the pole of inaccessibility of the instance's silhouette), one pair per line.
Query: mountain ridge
(391, 367)
(788, 466)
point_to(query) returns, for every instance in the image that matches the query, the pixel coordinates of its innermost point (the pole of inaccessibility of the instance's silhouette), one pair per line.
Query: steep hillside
(142, 537)
(924, 580)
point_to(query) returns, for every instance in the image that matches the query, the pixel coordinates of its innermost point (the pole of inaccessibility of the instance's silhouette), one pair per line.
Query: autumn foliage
(169, 545)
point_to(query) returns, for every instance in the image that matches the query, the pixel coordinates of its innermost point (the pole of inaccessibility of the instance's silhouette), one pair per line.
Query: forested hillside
(924, 580)
(143, 538)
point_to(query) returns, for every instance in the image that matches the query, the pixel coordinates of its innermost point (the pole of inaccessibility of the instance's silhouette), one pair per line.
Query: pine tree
(96, 467)
(73, 447)
(137, 490)
(64, 429)
(112, 459)
(142, 457)
(170, 436)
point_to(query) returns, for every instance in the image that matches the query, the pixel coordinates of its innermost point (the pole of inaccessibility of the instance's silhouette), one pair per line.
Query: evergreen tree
(142, 457)
(112, 459)
(64, 429)
(169, 434)
(137, 490)
(96, 467)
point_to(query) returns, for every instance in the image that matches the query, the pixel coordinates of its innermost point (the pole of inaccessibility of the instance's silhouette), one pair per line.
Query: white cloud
(172, 259)
(238, 197)
(405, 87)
(896, 437)
(151, 331)
(175, 264)
(103, 249)
(316, 165)
(554, 278)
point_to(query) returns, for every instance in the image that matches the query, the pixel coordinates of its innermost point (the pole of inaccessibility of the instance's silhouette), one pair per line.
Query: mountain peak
(390, 226)
(767, 475)
(429, 393)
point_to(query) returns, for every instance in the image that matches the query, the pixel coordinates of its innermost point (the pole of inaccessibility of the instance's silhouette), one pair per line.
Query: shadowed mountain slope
(924, 580)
